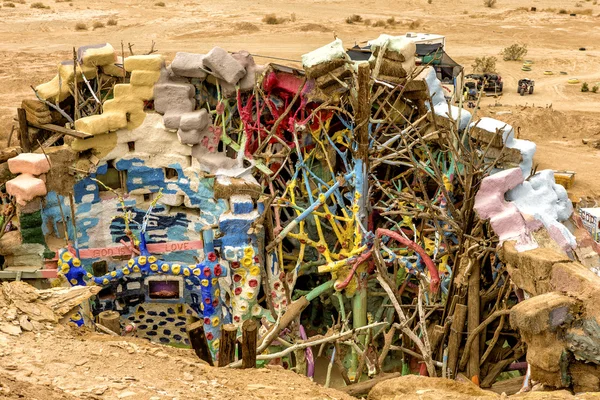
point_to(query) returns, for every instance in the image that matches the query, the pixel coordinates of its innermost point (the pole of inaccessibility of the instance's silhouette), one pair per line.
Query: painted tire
(548, 73)
(527, 62)
(573, 81)
(526, 69)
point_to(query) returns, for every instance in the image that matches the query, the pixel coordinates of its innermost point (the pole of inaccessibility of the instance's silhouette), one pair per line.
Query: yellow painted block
(51, 91)
(94, 124)
(94, 57)
(113, 70)
(123, 105)
(144, 78)
(124, 90)
(136, 119)
(115, 120)
(66, 72)
(152, 62)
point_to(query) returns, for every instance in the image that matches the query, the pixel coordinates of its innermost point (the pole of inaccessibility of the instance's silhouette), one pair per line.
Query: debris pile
(346, 206)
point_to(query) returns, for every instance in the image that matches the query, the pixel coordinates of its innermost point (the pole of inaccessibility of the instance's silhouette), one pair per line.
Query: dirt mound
(422, 388)
(11, 388)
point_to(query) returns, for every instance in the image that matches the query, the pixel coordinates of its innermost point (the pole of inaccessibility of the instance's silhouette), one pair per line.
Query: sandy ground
(33, 40)
(71, 364)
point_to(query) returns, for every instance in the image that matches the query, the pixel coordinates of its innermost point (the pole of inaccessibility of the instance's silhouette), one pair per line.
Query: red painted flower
(207, 300)
(236, 318)
(237, 278)
(206, 271)
(220, 108)
(207, 321)
(235, 264)
(215, 303)
(237, 291)
(209, 336)
(212, 256)
(218, 270)
(256, 259)
(253, 283)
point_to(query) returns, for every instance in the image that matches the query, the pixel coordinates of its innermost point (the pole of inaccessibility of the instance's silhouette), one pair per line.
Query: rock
(26, 325)
(224, 66)
(424, 388)
(161, 354)
(100, 390)
(10, 314)
(10, 329)
(126, 394)
(188, 377)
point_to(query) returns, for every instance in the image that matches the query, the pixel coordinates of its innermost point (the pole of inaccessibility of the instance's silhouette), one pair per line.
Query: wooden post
(227, 348)
(456, 330)
(195, 331)
(75, 88)
(23, 130)
(474, 318)
(110, 320)
(249, 342)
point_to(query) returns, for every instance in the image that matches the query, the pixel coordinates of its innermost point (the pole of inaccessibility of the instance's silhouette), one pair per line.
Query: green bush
(595, 89)
(585, 87)
(484, 64)
(514, 52)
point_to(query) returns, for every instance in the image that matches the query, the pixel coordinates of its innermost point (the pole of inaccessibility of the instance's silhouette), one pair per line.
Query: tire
(522, 92)
(531, 90)
(500, 87)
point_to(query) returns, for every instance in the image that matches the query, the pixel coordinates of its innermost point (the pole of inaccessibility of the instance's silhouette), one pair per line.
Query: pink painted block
(26, 187)
(505, 218)
(29, 163)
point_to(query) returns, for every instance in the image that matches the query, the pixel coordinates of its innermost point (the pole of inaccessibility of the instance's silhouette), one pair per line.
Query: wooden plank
(361, 389)
(249, 343)
(227, 347)
(65, 131)
(198, 341)
(52, 139)
(456, 330)
(9, 153)
(474, 305)
(23, 130)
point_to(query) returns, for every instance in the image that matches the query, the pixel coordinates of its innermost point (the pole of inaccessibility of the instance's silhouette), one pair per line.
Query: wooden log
(110, 320)
(60, 129)
(291, 313)
(474, 304)
(9, 152)
(198, 341)
(249, 343)
(456, 330)
(227, 347)
(363, 388)
(23, 130)
(435, 337)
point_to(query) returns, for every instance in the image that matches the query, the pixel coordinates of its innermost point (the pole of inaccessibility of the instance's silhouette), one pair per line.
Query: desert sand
(557, 116)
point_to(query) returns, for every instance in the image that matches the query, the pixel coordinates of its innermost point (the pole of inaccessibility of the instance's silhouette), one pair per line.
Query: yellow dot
(66, 256)
(197, 271)
(152, 259)
(233, 303)
(215, 321)
(105, 281)
(130, 262)
(201, 306)
(113, 273)
(76, 262)
(176, 268)
(89, 275)
(142, 260)
(246, 262)
(215, 344)
(126, 271)
(242, 272)
(322, 197)
(186, 271)
(192, 266)
(59, 263)
(217, 292)
(73, 281)
(248, 252)
(215, 281)
(154, 267)
(76, 317)
(255, 271)
(65, 268)
(136, 268)
(204, 282)
(165, 267)
(249, 295)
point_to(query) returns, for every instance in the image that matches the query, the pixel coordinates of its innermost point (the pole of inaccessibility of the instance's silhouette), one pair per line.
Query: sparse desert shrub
(271, 19)
(112, 22)
(415, 24)
(563, 11)
(514, 52)
(246, 26)
(81, 26)
(98, 25)
(595, 2)
(429, 1)
(466, 12)
(367, 22)
(595, 89)
(585, 87)
(293, 17)
(353, 19)
(40, 5)
(9, 5)
(18, 1)
(160, 4)
(489, 3)
(312, 27)
(379, 24)
(484, 64)
(391, 21)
